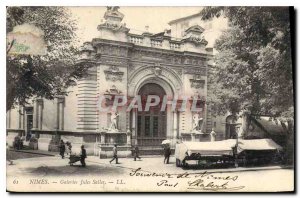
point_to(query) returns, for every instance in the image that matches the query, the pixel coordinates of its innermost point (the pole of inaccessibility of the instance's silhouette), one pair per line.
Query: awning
(223, 147)
(258, 144)
(211, 148)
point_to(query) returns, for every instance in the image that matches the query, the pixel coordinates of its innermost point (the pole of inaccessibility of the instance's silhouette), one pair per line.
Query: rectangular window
(147, 126)
(155, 126)
(139, 125)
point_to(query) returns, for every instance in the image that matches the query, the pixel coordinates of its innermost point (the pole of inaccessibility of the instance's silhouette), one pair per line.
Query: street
(149, 174)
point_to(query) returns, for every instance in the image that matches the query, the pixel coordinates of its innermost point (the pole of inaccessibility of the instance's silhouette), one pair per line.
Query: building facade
(122, 64)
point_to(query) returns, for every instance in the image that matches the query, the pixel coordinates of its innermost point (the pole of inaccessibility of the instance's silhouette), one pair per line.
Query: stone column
(60, 115)
(35, 115)
(40, 122)
(175, 124)
(133, 125)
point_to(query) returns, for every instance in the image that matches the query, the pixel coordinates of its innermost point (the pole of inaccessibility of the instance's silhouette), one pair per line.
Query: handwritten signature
(196, 181)
(201, 184)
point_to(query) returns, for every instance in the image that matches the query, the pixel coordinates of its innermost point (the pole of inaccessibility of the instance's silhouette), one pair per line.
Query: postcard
(149, 99)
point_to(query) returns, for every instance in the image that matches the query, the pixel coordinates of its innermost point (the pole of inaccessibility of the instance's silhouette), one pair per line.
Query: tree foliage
(253, 67)
(47, 75)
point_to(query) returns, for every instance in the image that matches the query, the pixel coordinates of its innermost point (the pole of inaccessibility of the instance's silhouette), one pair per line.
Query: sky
(136, 18)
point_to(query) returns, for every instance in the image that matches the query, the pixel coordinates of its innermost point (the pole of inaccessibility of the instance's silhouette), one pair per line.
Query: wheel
(178, 163)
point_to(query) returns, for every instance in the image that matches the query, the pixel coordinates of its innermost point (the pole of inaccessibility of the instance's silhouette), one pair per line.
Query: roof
(184, 18)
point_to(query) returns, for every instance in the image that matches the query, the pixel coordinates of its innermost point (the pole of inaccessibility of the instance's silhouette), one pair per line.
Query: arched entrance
(151, 124)
(230, 127)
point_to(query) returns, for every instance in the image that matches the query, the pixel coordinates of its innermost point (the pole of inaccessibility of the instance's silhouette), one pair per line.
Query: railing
(156, 43)
(136, 40)
(174, 46)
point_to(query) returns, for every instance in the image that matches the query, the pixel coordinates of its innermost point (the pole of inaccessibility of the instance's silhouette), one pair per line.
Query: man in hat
(136, 152)
(83, 156)
(115, 154)
(167, 153)
(62, 149)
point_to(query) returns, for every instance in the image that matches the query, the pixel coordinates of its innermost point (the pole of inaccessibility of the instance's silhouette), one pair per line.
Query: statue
(212, 135)
(196, 122)
(113, 119)
(113, 8)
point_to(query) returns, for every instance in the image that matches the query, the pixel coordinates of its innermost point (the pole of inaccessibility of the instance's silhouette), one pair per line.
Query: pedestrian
(167, 153)
(115, 154)
(83, 156)
(62, 149)
(136, 152)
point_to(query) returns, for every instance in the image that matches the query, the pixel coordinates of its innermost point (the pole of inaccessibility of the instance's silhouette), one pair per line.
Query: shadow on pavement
(74, 170)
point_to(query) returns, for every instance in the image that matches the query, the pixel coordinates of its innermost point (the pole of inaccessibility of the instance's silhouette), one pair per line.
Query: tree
(46, 75)
(253, 68)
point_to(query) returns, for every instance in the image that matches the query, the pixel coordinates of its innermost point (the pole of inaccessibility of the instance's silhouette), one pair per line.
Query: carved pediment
(195, 28)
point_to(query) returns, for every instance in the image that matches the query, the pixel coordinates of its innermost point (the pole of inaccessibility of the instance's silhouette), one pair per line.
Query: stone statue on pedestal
(212, 135)
(114, 121)
(196, 122)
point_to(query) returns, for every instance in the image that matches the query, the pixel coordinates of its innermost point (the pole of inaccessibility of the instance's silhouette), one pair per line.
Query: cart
(74, 159)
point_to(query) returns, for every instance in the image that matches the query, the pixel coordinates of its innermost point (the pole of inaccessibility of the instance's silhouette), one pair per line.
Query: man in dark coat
(167, 153)
(136, 152)
(62, 149)
(115, 154)
(83, 156)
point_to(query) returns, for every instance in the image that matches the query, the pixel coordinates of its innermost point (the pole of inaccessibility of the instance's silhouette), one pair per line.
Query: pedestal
(193, 136)
(109, 139)
(128, 137)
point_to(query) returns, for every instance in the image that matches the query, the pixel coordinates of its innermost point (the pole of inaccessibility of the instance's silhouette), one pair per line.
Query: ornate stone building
(125, 64)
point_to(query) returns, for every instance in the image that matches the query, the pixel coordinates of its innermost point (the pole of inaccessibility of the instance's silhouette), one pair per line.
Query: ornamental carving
(157, 71)
(196, 71)
(197, 82)
(113, 91)
(113, 74)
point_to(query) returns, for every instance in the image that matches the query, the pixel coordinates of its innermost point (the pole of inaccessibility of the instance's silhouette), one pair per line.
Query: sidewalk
(157, 162)
(151, 163)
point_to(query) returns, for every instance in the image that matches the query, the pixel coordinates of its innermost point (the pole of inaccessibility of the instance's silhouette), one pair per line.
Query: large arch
(169, 81)
(165, 77)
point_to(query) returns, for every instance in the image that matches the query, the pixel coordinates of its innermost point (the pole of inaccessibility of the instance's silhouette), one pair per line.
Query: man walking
(115, 154)
(62, 149)
(136, 153)
(83, 156)
(167, 153)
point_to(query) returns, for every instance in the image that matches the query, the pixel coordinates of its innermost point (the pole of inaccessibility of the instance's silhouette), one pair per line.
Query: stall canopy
(210, 148)
(258, 144)
(224, 147)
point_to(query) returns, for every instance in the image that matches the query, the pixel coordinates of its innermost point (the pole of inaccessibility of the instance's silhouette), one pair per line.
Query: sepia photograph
(150, 99)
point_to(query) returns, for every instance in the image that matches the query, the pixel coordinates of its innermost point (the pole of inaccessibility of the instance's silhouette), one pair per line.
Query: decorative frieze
(113, 74)
(197, 82)
(196, 71)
